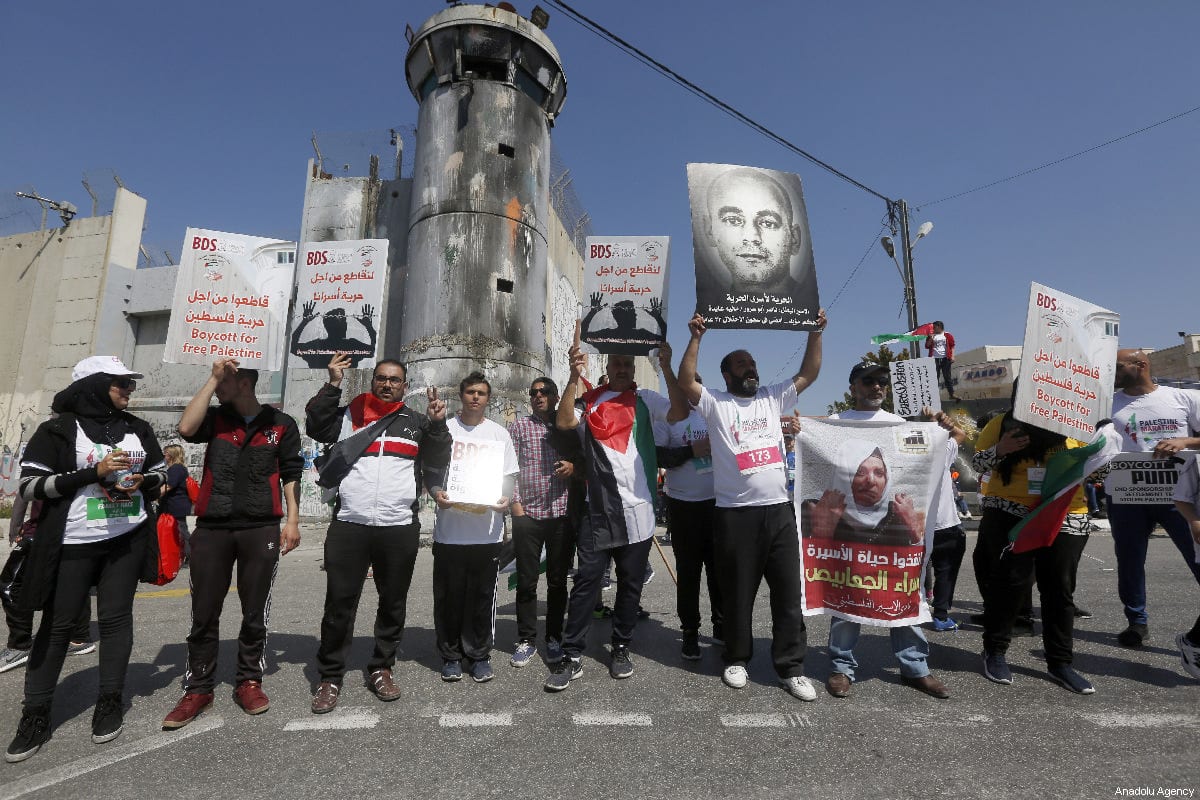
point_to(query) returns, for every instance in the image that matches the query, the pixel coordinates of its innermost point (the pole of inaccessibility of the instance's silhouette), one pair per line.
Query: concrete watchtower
(489, 84)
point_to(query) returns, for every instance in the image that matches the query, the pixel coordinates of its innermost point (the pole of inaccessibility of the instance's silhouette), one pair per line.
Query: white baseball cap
(109, 365)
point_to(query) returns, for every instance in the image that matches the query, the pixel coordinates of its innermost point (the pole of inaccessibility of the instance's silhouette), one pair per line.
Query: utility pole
(910, 283)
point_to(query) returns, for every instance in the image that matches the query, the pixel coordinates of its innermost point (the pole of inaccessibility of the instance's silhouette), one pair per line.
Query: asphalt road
(673, 730)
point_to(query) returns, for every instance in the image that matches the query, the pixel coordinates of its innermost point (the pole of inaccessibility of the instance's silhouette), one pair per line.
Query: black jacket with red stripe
(383, 484)
(246, 466)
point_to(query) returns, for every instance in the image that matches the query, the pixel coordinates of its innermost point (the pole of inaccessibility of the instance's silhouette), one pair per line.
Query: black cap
(865, 368)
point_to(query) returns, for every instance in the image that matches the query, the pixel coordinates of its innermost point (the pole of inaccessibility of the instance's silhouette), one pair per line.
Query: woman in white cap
(94, 467)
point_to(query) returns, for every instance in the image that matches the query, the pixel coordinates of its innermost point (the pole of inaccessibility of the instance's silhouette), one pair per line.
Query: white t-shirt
(472, 525)
(1187, 489)
(747, 444)
(1145, 420)
(692, 480)
(939, 345)
(92, 516)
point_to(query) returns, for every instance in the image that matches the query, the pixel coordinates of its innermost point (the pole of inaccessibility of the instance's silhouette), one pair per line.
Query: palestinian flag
(622, 469)
(1065, 470)
(915, 335)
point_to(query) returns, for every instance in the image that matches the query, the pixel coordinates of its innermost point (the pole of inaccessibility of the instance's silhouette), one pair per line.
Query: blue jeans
(908, 643)
(1131, 526)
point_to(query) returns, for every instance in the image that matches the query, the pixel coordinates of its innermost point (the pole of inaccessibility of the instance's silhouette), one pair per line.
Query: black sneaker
(1070, 679)
(1135, 635)
(1082, 613)
(108, 719)
(691, 646)
(563, 673)
(995, 668)
(33, 731)
(621, 666)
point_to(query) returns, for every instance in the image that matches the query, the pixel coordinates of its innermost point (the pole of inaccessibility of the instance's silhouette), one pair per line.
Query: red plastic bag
(169, 544)
(193, 489)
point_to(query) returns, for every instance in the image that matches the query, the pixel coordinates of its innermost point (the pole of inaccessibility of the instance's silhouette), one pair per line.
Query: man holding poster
(861, 490)
(466, 538)
(1158, 421)
(754, 525)
(383, 452)
(754, 261)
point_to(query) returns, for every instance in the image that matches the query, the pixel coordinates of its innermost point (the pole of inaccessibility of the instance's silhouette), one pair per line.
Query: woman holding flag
(1034, 525)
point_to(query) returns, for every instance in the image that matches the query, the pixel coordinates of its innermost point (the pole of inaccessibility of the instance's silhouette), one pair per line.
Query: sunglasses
(542, 392)
(391, 379)
(125, 383)
(869, 381)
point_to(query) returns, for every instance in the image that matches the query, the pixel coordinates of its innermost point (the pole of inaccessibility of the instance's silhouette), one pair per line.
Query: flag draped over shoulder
(1065, 470)
(915, 335)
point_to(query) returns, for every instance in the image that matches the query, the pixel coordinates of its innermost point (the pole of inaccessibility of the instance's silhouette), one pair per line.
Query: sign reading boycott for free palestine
(1141, 479)
(625, 282)
(915, 386)
(753, 252)
(865, 495)
(339, 300)
(1067, 363)
(230, 301)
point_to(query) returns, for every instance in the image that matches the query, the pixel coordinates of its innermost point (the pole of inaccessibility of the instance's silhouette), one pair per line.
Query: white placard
(476, 472)
(625, 286)
(1141, 479)
(339, 301)
(1067, 363)
(915, 386)
(230, 301)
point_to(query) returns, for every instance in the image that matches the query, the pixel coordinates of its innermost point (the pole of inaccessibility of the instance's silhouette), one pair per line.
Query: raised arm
(679, 404)
(810, 367)
(687, 365)
(565, 421)
(193, 415)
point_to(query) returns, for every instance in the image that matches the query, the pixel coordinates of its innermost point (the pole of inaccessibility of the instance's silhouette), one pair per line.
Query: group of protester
(578, 476)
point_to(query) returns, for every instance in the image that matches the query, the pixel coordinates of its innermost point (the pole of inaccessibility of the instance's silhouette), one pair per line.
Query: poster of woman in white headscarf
(865, 495)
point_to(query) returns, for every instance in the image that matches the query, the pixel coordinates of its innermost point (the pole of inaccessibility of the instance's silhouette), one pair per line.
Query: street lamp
(906, 271)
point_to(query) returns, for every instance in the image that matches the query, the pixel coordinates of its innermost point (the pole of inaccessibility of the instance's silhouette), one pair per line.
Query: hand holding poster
(625, 280)
(915, 386)
(1067, 363)
(230, 301)
(754, 258)
(865, 495)
(339, 301)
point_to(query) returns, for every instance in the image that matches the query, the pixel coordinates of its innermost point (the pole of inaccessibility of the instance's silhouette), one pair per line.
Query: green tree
(883, 356)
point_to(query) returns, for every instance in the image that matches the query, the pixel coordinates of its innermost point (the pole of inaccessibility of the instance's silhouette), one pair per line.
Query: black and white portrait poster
(915, 386)
(625, 283)
(865, 500)
(339, 301)
(753, 252)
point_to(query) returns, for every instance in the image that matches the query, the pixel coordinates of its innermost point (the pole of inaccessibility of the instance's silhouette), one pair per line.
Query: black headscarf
(89, 401)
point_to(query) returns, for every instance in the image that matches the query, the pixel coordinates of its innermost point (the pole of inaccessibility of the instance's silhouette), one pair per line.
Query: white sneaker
(800, 687)
(735, 676)
(1190, 654)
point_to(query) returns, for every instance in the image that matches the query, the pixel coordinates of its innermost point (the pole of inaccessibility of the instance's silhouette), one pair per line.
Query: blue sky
(207, 109)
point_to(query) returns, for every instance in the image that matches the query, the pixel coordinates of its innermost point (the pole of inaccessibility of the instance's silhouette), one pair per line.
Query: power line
(1061, 160)
(674, 76)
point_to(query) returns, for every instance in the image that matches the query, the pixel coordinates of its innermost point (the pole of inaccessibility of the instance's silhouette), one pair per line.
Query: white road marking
(83, 766)
(754, 720)
(475, 720)
(351, 719)
(1118, 720)
(611, 718)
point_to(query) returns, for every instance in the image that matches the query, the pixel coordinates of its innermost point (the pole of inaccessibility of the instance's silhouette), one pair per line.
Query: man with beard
(754, 526)
(374, 523)
(1159, 420)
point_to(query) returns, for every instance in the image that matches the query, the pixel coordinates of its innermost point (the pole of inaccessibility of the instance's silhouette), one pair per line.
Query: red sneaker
(187, 709)
(249, 695)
